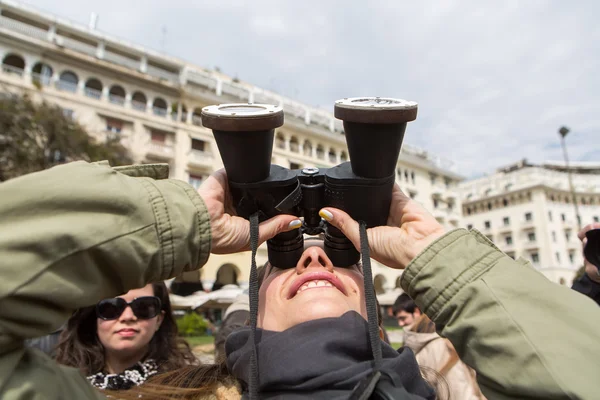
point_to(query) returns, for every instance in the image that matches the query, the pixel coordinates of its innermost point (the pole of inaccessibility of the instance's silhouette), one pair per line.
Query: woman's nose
(314, 257)
(127, 315)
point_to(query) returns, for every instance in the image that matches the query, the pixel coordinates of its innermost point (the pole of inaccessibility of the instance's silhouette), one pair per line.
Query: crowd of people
(84, 312)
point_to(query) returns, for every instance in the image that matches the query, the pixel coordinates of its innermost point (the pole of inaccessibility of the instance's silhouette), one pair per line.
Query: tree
(36, 136)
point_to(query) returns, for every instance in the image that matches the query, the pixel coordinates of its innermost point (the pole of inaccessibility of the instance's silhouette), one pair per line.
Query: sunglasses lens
(110, 308)
(146, 307)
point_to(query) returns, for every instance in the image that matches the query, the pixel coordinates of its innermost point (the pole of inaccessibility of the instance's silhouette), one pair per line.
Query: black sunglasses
(143, 307)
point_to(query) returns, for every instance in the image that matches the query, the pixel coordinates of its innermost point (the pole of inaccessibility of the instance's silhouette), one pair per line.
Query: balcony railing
(11, 69)
(528, 224)
(197, 120)
(162, 74)
(93, 93)
(235, 90)
(161, 112)
(66, 86)
(122, 60)
(161, 149)
(76, 45)
(23, 28)
(138, 105)
(41, 79)
(115, 99)
(201, 158)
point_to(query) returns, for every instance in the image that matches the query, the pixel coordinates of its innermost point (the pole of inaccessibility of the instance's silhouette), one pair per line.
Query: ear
(381, 335)
(159, 319)
(417, 311)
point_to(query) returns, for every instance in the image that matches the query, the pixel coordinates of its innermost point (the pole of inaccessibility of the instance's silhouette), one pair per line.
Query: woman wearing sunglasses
(69, 243)
(122, 341)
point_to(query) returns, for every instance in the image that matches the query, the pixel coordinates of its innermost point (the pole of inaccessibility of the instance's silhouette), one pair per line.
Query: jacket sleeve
(588, 287)
(73, 235)
(526, 337)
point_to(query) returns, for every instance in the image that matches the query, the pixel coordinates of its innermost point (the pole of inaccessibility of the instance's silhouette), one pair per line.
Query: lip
(127, 332)
(315, 276)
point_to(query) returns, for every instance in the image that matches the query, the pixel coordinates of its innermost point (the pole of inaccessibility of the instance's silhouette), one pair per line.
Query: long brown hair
(80, 347)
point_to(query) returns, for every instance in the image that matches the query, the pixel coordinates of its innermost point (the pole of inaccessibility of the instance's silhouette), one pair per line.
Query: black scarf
(321, 359)
(133, 376)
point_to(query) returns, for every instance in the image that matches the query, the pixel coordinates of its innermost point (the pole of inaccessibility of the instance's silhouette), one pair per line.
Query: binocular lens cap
(375, 110)
(242, 117)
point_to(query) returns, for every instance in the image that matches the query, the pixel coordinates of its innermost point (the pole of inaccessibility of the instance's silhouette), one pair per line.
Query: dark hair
(404, 303)
(80, 347)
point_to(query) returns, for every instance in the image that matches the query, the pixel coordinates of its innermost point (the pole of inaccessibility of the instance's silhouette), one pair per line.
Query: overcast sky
(494, 82)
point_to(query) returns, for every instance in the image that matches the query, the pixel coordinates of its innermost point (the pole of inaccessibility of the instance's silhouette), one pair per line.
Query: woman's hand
(590, 269)
(410, 230)
(230, 233)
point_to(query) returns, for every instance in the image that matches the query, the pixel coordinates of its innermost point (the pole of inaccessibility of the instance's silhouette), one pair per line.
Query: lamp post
(563, 131)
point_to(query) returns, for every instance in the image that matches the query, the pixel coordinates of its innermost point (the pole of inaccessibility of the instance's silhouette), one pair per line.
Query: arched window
(42, 73)
(227, 274)
(159, 107)
(308, 148)
(68, 81)
(197, 117)
(343, 156)
(379, 282)
(116, 95)
(279, 141)
(139, 101)
(93, 88)
(294, 146)
(332, 156)
(13, 64)
(320, 152)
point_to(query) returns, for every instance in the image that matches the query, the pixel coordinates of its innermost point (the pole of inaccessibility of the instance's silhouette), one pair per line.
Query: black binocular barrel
(244, 134)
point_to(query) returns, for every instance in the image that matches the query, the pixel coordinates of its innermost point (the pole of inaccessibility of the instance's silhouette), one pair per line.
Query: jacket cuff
(440, 271)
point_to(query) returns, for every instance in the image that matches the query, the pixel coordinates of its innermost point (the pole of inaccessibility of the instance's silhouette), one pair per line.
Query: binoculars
(374, 129)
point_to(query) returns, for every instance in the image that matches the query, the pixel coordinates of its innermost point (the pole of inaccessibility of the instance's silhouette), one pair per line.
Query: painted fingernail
(295, 224)
(326, 215)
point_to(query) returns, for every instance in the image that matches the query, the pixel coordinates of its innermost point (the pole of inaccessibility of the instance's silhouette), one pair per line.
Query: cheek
(104, 329)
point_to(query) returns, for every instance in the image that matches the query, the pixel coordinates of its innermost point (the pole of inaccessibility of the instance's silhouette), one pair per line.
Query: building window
(505, 202)
(294, 165)
(511, 255)
(568, 235)
(487, 224)
(571, 257)
(412, 176)
(550, 216)
(470, 226)
(528, 216)
(506, 221)
(509, 240)
(412, 195)
(563, 217)
(531, 236)
(554, 236)
(596, 219)
(198, 145)
(114, 125)
(158, 136)
(489, 206)
(196, 180)
(535, 258)
(406, 175)
(557, 254)
(433, 178)
(436, 203)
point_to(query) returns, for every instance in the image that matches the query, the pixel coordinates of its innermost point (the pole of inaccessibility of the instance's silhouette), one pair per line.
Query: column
(51, 33)
(144, 64)
(149, 109)
(128, 100)
(307, 117)
(188, 118)
(80, 86)
(219, 87)
(338, 156)
(105, 91)
(100, 50)
(286, 141)
(251, 96)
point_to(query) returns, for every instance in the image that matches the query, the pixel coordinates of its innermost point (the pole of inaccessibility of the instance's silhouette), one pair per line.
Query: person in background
(589, 283)
(122, 341)
(405, 310)
(434, 352)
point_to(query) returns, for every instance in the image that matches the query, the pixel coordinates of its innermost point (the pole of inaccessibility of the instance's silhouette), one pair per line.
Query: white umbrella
(388, 298)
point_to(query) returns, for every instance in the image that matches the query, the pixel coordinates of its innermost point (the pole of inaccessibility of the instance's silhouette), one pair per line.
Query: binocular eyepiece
(374, 130)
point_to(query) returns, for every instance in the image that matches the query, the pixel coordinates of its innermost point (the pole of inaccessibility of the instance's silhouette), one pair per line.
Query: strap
(371, 300)
(291, 200)
(253, 294)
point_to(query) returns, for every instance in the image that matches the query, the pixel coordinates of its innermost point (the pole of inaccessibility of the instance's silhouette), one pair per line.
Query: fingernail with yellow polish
(295, 224)
(326, 215)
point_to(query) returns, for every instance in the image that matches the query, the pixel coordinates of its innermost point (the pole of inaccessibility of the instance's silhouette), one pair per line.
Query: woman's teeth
(314, 284)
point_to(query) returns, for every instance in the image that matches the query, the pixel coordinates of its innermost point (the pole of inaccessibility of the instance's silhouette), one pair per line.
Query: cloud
(494, 81)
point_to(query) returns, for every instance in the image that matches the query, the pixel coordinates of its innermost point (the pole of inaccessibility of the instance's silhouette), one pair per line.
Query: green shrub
(192, 324)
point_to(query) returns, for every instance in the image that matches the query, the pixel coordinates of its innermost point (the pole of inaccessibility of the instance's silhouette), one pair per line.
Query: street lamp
(563, 131)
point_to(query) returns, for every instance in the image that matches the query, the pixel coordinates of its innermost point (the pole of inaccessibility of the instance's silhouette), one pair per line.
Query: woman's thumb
(343, 222)
(276, 225)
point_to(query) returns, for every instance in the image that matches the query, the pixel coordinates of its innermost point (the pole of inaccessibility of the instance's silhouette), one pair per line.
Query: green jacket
(75, 234)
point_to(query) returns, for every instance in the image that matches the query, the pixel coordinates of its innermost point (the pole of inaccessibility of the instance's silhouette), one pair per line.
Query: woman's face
(314, 289)
(127, 335)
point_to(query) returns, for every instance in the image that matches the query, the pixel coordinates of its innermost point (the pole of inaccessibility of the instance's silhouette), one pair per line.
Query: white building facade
(153, 102)
(527, 210)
